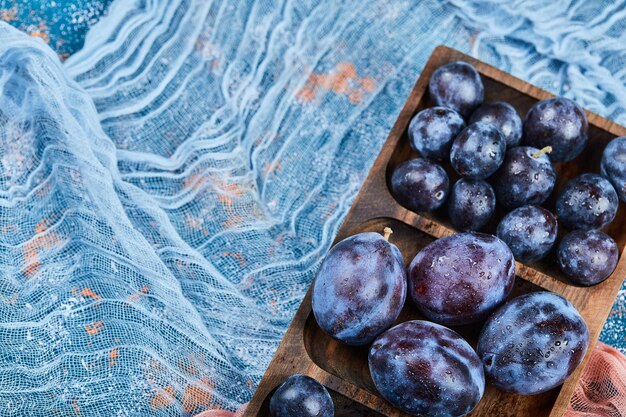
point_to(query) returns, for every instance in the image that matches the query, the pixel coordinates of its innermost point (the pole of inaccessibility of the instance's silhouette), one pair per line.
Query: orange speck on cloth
(197, 395)
(223, 413)
(33, 247)
(113, 356)
(8, 15)
(94, 328)
(163, 398)
(342, 80)
(85, 292)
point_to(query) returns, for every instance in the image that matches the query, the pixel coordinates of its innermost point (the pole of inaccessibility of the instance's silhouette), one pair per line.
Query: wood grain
(307, 350)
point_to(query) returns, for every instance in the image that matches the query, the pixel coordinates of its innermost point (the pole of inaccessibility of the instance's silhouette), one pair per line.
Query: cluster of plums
(502, 159)
(528, 344)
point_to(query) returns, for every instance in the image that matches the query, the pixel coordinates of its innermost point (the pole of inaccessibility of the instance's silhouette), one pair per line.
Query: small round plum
(458, 86)
(478, 151)
(420, 185)
(503, 116)
(432, 131)
(613, 165)
(462, 278)
(471, 204)
(360, 288)
(301, 396)
(587, 201)
(427, 369)
(529, 231)
(587, 257)
(533, 343)
(525, 177)
(559, 123)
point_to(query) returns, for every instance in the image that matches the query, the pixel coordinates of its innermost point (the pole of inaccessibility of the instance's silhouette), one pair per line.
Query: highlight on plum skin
(478, 151)
(560, 123)
(529, 231)
(587, 202)
(471, 204)
(423, 368)
(432, 131)
(301, 396)
(587, 257)
(462, 278)
(526, 177)
(533, 343)
(457, 85)
(420, 185)
(360, 288)
(613, 165)
(503, 116)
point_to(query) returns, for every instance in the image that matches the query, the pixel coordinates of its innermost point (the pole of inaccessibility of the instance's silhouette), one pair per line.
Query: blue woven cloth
(167, 194)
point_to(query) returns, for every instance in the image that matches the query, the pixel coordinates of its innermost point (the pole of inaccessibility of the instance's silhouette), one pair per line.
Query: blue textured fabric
(167, 194)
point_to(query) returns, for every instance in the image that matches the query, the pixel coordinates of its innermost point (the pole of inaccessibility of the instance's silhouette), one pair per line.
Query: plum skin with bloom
(420, 185)
(587, 257)
(529, 231)
(587, 201)
(525, 178)
(533, 343)
(432, 131)
(360, 288)
(462, 278)
(503, 116)
(471, 204)
(613, 165)
(478, 151)
(457, 85)
(426, 369)
(560, 123)
(301, 396)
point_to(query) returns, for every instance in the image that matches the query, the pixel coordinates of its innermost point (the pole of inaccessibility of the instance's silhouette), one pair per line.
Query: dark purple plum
(587, 201)
(420, 185)
(471, 204)
(432, 131)
(458, 86)
(529, 231)
(427, 369)
(461, 279)
(503, 116)
(478, 151)
(533, 343)
(360, 288)
(587, 257)
(301, 396)
(559, 123)
(525, 177)
(613, 165)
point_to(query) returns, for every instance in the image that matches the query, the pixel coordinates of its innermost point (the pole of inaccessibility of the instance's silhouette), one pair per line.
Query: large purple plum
(533, 343)
(301, 396)
(587, 257)
(427, 369)
(613, 165)
(559, 123)
(529, 231)
(478, 151)
(525, 177)
(432, 131)
(503, 116)
(587, 201)
(458, 86)
(471, 204)
(420, 185)
(360, 288)
(462, 278)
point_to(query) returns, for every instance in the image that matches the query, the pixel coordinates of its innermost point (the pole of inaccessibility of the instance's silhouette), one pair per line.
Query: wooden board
(305, 349)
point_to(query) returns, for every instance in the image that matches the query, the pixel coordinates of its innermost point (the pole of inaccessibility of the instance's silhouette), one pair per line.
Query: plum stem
(387, 232)
(543, 151)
